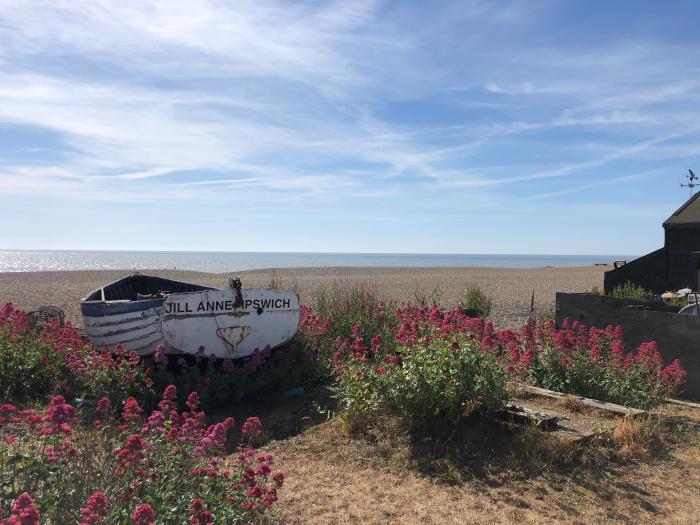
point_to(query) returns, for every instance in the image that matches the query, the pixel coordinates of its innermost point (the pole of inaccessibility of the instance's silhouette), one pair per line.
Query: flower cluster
(590, 361)
(56, 359)
(168, 466)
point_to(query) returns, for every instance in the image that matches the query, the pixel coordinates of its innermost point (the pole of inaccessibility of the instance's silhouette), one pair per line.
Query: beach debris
(46, 315)
(141, 312)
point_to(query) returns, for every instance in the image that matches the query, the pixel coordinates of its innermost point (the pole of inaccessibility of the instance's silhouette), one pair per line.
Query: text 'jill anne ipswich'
(224, 306)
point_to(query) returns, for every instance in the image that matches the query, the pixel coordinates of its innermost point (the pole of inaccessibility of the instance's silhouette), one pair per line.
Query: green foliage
(630, 290)
(34, 365)
(443, 382)
(474, 298)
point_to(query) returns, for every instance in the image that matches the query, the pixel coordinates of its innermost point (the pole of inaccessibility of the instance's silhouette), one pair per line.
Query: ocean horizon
(221, 262)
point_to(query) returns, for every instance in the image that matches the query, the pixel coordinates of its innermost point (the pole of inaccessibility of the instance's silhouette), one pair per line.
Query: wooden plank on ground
(682, 402)
(594, 403)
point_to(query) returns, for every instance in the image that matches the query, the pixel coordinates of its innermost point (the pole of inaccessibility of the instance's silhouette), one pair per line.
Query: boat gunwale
(98, 307)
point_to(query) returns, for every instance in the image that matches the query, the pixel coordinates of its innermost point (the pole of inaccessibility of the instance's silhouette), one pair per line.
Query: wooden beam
(594, 403)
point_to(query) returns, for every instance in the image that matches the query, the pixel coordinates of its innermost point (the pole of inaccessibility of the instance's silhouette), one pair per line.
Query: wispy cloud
(294, 104)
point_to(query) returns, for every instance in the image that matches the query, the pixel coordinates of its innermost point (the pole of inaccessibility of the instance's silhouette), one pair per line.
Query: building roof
(688, 214)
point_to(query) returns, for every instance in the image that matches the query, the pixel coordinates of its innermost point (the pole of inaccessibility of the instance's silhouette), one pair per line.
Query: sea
(224, 262)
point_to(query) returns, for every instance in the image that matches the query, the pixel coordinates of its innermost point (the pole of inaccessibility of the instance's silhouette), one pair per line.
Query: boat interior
(141, 287)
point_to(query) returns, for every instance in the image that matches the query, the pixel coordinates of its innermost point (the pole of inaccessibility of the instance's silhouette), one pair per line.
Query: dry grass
(381, 475)
(636, 437)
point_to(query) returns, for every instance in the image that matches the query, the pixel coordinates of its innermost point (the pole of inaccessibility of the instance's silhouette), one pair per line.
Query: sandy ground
(510, 288)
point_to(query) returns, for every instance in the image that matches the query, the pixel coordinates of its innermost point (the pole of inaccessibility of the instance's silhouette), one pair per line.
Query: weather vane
(691, 181)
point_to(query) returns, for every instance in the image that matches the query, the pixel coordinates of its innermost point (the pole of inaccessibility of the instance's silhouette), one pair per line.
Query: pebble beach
(510, 288)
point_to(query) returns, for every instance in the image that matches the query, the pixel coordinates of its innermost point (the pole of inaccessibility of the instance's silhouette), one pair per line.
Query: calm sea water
(219, 262)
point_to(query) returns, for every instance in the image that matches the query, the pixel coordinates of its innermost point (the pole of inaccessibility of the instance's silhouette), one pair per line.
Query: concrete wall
(677, 336)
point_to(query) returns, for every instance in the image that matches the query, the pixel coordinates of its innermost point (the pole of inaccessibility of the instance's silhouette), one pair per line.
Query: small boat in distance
(140, 312)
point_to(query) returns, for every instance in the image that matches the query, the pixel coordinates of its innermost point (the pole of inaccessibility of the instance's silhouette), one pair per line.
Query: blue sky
(450, 127)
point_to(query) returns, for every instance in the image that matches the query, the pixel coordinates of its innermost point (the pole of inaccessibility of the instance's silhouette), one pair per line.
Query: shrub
(55, 360)
(589, 362)
(442, 381)
(165, 468)
(476, 300)
(630, 290)
(575, 359)
(445, 380)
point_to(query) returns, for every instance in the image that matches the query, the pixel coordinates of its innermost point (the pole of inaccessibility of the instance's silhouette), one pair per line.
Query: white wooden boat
(140, 312)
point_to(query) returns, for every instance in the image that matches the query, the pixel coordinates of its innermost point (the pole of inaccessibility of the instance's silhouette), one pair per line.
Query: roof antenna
(691, 181)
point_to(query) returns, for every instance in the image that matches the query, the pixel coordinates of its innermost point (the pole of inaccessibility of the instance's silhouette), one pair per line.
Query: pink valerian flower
(527, 359)
(132, 410)
(8, 414)
(617, 354)
(199, 515)
(63, 451)
(132, 453)
(595, 356)
(143, 514)
(648, 356)
(103, 406)
(159, 357)
(252, 427)
(58, 416)
(95, 510)
(278, 478)
(215, 439)
(193, 401)
(394, 359)
(154, 422)
(24, 512)
(673, 375)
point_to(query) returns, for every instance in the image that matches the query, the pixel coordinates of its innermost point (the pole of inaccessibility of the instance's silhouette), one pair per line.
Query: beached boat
(140, 312)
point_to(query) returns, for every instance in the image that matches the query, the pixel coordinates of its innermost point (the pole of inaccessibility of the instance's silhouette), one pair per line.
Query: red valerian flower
(252, 427)
(95, 510)
(103, 406)
(24, 512)
(159, 357)
(199, 515)
(132, 410)
(278, 477)
(58, 415)
(143, 514)
(193, 401)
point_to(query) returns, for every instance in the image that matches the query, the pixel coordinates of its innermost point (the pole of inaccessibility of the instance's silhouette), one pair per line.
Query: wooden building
(676, 265)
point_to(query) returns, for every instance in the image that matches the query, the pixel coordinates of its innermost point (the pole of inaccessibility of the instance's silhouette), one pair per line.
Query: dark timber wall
(681, 243)
(648, 272)
(677, 336)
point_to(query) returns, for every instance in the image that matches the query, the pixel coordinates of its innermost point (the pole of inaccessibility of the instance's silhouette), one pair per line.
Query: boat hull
(225, 325)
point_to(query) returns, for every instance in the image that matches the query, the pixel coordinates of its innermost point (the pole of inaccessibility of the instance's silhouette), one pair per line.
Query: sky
(548, 127)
